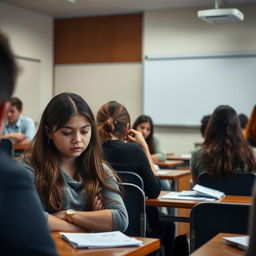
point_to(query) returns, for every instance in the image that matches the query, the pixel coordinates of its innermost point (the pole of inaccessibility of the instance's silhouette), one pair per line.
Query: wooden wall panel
(113, 38)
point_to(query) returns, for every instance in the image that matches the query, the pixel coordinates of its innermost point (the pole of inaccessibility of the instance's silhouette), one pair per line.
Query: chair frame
(131, 177)
(142, 217)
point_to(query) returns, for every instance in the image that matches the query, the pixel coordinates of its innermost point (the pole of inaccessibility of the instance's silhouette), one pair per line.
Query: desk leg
(183, 184)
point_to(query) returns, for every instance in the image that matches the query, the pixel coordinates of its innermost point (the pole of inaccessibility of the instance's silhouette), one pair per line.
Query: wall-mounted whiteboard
(180, 90)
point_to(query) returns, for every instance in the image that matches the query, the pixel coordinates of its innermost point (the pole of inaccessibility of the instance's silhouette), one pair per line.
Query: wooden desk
(21, 147)
(172, 174)
(185, 158)
(170, 163)
(188, 204)
(65, 249)
(217, 246)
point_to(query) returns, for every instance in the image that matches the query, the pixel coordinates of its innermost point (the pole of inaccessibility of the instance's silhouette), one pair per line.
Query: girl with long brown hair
(145, 125)
(225, 150)
(78, 191)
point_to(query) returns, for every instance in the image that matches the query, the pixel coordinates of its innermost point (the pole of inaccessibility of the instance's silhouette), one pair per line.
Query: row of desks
(216, 246)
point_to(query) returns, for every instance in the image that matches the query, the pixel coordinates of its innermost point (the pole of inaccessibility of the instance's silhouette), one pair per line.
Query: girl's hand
(98, 203)
(136, 137)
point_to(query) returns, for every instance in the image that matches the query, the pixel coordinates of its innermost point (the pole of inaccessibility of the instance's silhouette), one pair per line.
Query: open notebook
(198, 192)
(99, 240)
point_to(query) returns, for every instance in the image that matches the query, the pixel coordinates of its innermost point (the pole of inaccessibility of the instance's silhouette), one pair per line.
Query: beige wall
(180, 32)
(31, 37)
(100, 83)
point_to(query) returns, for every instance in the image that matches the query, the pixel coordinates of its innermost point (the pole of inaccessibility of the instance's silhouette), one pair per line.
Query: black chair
(134, 200)
(239, 183)
(7, 146)
(131, 177)
(209, 219)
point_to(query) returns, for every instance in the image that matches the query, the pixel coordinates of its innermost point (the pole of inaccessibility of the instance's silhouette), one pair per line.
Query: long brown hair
(150, 139)
(225, 148)
(250, 129)
(45, 160)
(112, 119)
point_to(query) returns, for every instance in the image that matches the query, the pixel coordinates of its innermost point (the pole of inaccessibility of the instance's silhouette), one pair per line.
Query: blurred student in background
(18, 128)
(225, 150)
(144, 124)
(23, 228)
(243, 121)
(204, 123)
(250, 129)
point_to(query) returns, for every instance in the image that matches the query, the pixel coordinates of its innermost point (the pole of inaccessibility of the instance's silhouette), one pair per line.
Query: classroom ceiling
(72, 8)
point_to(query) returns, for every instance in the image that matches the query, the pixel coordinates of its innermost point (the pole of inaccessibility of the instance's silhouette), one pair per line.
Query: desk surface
(185, 157)
(217, 246)
(170, 163)
(21, 147)
(65, 249)
(169, 174)
(160, 202)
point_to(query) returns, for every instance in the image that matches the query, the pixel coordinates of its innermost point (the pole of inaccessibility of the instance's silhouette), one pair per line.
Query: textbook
(99, 240)
(238, 241)
(197, 194)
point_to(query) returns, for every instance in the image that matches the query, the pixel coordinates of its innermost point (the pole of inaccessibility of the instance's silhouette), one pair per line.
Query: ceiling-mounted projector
(219, 15)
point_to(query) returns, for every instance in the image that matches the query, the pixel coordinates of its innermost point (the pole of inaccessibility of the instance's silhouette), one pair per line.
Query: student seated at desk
(224, 150)
(23, 228)
(18, 128)
(78, 191)
(204, 122)
(243, 121)
(126, 150)
(144, 124)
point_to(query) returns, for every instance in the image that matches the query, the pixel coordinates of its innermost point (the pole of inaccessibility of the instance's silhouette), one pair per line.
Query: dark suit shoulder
(11, 172)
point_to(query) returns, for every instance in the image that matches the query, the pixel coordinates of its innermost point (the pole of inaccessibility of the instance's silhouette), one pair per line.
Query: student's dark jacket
(23, 228)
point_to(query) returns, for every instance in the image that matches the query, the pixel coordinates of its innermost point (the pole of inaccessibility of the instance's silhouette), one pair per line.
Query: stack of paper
(238, 241)
(197, 194)
(99, 240)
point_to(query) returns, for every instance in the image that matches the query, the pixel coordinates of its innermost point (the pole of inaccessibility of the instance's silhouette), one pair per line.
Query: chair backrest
(131, 177)
(209, 219)
(239, 183)
(134, 200)
(7, 146)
